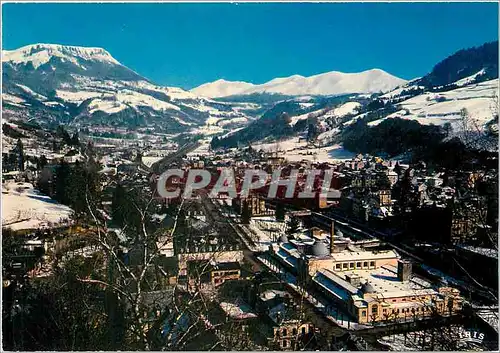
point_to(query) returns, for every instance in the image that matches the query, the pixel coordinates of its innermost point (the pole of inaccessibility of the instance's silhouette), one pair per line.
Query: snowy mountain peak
(221, 88)
(329, 83)
(39, 54)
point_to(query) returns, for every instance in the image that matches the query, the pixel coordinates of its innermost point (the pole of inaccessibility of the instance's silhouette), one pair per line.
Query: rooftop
(273, 293)
(348, 255)
(385, 282)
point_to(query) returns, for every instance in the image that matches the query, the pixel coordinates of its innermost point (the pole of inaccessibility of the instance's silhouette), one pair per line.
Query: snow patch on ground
(241, 120)
(296, 151)
(466, 80)
(150, 160)
(106, 106)
(79, 96)
(11, 98)
(31, 92)
(346, 108)
(237, 310)
(24, 207)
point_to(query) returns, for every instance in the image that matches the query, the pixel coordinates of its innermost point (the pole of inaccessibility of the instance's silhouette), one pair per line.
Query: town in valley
(399, 251)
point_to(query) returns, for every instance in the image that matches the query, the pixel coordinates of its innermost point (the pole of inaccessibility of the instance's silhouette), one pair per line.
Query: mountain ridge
(86, 86)
(328, 83)
(38, 52)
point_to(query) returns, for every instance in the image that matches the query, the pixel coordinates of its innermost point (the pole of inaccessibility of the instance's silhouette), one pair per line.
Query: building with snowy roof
(386, 292)
(371, 284)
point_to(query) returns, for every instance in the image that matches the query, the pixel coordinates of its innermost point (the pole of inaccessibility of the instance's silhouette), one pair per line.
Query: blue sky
(188, 44)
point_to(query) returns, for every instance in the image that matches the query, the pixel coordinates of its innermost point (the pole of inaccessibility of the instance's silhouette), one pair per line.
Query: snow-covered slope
(24, 207)
(440, 108)
(222, 88)
(323, 114)
(330, 83)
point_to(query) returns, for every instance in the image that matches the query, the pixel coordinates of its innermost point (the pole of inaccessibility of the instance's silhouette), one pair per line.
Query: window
(351, 265)
(372, 263)
(338, 266)
(375, 309)
(397, 311)
(384, 310)
(294, 331)
(344, 265)
(285, 343)
(303, 330)
(412, 298)
(358, 264)
(394, 300)
(363, 313)
(365, 264)
(285, 332)
(404, 299)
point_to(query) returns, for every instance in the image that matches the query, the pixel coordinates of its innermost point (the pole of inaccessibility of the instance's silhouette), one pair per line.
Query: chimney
(404, 270)
(353, 279)
(332, 231)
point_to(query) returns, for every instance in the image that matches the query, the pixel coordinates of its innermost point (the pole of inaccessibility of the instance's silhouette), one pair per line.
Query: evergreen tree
(63, 134)
(119, 205)
(63, 175)
(75, 141)
(42, 162)
(405, 195)
(60, 312)
(312, 128)
(398, 169)
(245, 213)
(214, 143)
(20, 155)
(280, 212)
(383, 182)
(293, 225)
(80, 188)
(250, 150)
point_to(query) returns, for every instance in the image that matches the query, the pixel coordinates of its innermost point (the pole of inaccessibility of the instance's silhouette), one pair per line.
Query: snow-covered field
(207, 130)
(281, 146)
(295, 151)
(202, 150)
(12, 99)
(440, 108)
(346, 108)
(321, 155)
(150, 160)
(114, 103)
(339, 112)
(24, 207)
